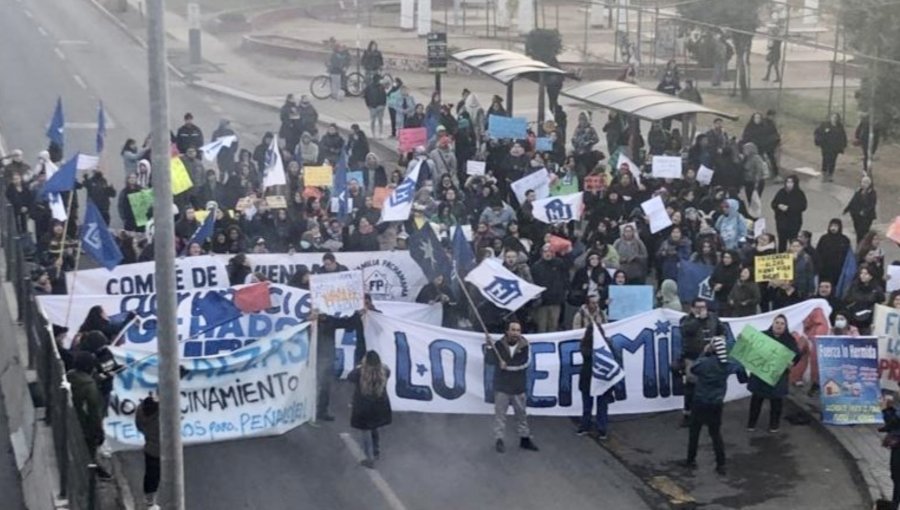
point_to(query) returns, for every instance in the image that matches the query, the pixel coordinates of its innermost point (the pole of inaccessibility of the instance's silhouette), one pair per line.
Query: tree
(740, 15)
(873, 28)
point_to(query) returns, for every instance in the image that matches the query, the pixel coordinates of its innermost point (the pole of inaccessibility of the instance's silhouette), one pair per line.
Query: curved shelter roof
(502, 65)
(635, 100)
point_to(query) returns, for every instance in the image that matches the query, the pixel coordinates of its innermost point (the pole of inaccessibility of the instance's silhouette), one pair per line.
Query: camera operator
(697, 329)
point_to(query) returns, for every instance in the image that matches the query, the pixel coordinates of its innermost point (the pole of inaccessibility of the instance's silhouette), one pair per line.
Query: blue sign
(848, 374)
(503, 291)
(629, 300)
(543, 144)
(507, 127)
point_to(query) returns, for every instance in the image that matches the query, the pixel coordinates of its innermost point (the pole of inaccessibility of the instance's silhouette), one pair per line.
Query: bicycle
(320, 86)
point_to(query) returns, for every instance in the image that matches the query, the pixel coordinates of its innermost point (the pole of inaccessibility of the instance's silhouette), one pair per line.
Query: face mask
(840, 323)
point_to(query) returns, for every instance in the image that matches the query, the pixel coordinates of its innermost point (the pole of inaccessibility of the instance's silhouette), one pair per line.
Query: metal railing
(74, 460)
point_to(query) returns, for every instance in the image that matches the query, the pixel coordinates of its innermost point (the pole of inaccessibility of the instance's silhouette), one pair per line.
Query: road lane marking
(73, 42)
(671, 490)
(80, 81)
(42, 31)
(59, 53)
(380, 483)
(28, 13)
(216, 108)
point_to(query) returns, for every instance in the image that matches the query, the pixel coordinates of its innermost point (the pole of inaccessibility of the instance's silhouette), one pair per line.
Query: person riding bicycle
(337, 68)
(372, 61)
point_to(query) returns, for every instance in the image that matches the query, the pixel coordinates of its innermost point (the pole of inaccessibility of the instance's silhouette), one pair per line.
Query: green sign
(761, 355)
(141, 202)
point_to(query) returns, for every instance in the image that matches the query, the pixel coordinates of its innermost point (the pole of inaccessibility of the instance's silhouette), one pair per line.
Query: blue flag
(693, 281)
(101, 129)
(96, 239)
(427, 251)
(848, 273)
(339, 186)
(57, 128)
(204, 231)
(463, 256)
(64, 178)
(215, 309)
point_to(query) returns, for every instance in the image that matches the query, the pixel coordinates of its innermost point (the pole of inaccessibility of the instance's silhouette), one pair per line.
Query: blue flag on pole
(693, 281)
(215, 309)
(848, 273)
(64, 178)
(96, 239)
(57, 128)
(427, 251)
(101, 128)
(204, 231)
(463, 256)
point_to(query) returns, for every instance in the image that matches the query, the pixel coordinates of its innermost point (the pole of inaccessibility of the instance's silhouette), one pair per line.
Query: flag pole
(462, 286)
(62, 251)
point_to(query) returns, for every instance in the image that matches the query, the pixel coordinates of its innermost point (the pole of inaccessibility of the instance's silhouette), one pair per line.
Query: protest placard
(181, 179)
(565, 186)
(628, 300)
(410, 138)
(774, 267)
(893, 278)
(761, 355)
(317, 176)
(243, 203)
(893, 231)
(379, 195)
(759, 227)
(543, 144)
(848, 372)
(356, 175)
(704, 175)
(666, 167)
(886, 326)
(337, 294)
(507, 127)
(276, 202)
(141, 202)
(656, 213)
(475, 167)
(538, 181)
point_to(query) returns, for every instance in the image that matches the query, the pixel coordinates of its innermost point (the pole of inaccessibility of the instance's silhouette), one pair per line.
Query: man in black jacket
(697, 328)
(511, 358)
(325, 354)
(551, 273)
(188, 135)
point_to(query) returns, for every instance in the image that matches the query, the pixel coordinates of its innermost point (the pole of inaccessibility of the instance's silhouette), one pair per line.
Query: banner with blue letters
(439, 370)
(263, 389)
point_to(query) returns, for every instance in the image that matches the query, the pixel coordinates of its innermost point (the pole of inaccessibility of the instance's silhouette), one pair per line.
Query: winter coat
(744, 299)
(711, 380)
(553, 275)
(99, 191)
(755, 168)
(804, 275)
(146, 419)
(731, 227)
(509, 380)
(188, 136)
(831, 139)
(830, 252)
(375, 95)
(727, 276)
(330, 147)
(88, 403)
(670, 255)
(584, 139)
(790, 220)
(762, 389)
(860, 301)
(862, 206)
(669, 299)
(632, 258)
(696, 331)
(369, 412)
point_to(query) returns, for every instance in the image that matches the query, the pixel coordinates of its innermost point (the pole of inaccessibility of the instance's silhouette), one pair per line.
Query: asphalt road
(68, 49)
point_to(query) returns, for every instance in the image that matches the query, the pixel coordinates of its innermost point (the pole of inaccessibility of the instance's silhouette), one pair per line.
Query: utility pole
(171, 454)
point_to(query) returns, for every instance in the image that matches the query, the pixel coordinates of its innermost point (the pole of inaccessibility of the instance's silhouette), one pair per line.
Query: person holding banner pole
(511, 358)
(697, 328)
(585, 376)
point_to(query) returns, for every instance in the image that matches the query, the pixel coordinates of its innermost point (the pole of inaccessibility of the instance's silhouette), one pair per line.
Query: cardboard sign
(337, 294)
(656, 214)
(243, 203)
(514, 128)
(379, 195)
(848, 371)
(276, 202)
(475, 167)
(410, 138)
(774, 267)
(761, 355)
(667, 167)
(140, 203)
(319, 176)
(704, 175)
(543, 144)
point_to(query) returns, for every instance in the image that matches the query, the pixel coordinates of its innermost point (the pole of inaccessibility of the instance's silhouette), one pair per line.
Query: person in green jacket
(88, 402)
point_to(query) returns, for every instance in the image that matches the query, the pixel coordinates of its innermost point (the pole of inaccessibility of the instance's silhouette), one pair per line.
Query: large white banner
(886, 326)
(439, 370)
(200, 272)
(387, 275)
(263, 389)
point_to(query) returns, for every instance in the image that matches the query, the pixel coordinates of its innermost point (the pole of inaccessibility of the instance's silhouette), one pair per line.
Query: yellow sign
(317, 176)
(774, 267)
(181, 179)
(276, 202)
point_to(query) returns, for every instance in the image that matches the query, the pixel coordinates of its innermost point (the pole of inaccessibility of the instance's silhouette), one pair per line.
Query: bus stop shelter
(507, 67)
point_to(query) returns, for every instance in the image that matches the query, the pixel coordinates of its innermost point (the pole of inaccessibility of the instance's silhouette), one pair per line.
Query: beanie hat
(720, 349)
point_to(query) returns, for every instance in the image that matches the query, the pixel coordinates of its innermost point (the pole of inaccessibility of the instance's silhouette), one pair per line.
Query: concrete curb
(863, 477)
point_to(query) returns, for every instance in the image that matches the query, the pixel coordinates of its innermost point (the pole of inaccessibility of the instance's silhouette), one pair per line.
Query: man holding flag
(510, 358)
(600, 372)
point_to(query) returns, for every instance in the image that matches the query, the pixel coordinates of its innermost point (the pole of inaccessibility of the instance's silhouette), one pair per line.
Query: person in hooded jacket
(226, 157)
(239, 269)
(862, 208)
(88, 402)
(862, 296)
(789, 204)
(743, 299)
(710, 373)
(100, 192)
(668, 296)
(371, 406)
(761, 390)
(723, 278)
(831, 251)
(357, 147)
(330, 145)
(755, 171)
(731, 225)
(831, 138)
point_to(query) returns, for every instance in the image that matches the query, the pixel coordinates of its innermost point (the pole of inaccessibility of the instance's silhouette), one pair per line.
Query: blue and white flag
(399, 204)
(273, 173)
(56, 131)
(63, 179)
(203, 232)
(500, 286)
(57, 207)
(606, 370)
(211, 150)
(559, 209)
(96, 239)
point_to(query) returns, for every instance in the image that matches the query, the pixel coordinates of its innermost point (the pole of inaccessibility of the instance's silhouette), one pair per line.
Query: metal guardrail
(74, 461)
